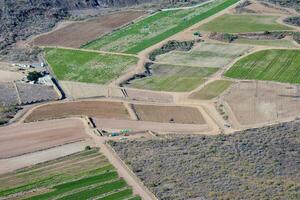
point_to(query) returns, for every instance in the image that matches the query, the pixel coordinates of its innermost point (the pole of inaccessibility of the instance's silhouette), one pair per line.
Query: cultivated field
(258, 102)
(81, 108)
(88, 67)
(205, 55)
(24, 93)
(169, 114)
(157, 27)
(243, 23)
(173, 78)
(83, 175)
(32, 93)
(211, 90)
(274, 65)
(79, 33)
(253, 164)
(25, 138)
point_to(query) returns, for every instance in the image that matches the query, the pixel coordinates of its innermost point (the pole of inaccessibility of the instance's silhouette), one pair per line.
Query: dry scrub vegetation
(261, 163)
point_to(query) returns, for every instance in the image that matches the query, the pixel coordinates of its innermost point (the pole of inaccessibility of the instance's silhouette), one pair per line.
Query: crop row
(156, 28)
(84, 175)
(274, 65)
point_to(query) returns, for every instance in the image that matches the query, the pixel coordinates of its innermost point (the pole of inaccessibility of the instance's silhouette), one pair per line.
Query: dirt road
(153, 126)
(123, 171)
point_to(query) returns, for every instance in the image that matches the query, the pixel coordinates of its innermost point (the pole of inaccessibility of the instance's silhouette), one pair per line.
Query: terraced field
(83, 175)
(89, 67)
(205, 55)
(153, 29)
(243, 23)
(173, 78)
(274, 65)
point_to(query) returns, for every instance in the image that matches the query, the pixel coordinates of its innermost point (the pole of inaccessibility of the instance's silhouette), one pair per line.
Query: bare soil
(169, 114)
(8, 76)
(25, 138)
(254, 103)
(86, 108)
(79, 33)
(14, 163)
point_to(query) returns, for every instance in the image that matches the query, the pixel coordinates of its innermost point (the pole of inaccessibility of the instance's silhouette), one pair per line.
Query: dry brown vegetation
(86, 108)
(169, 114)
(253, 164)
(79, 33)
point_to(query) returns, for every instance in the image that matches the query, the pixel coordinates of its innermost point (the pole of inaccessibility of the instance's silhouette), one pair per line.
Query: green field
(88, 67)
(243, 23)
(173, 78)
(272, 43)
(83, 175)
(274, 65)
(159, 26)
(211, 90)
(205, 54)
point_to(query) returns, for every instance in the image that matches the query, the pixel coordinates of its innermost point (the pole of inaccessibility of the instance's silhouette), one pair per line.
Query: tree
(34, 76)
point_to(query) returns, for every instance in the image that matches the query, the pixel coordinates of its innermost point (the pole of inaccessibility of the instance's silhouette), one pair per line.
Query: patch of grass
(88, 67)
(272, 43)
(153, 29)
(243, 23)
(274, 65)
(205, 55)
(212, 90)
(173, 78)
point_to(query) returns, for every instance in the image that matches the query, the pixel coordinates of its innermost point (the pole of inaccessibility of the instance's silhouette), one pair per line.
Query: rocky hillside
(20, 19)
(286, 3)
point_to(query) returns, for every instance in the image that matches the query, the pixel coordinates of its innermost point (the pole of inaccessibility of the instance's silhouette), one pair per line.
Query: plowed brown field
(169, 114)
(79, 33)
(25, 138)
(71, 109)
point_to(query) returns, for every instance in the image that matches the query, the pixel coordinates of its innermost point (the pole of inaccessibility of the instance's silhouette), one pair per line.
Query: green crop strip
(273, 65)
(60, 189)
(156, 28)
(147, 43)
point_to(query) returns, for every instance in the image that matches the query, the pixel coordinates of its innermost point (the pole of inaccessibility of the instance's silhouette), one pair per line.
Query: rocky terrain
(21, 19)
(285, 3)
(259, 163)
